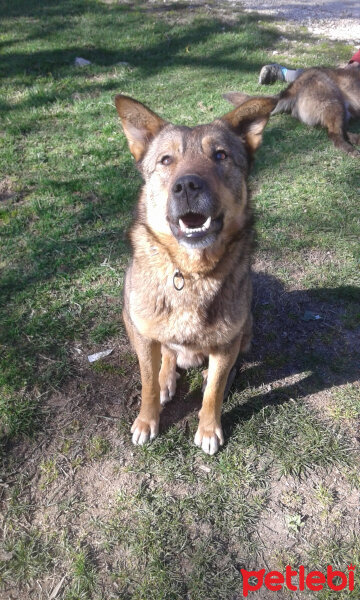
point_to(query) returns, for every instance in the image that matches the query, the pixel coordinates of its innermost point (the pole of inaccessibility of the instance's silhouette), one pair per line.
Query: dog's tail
(285, 103)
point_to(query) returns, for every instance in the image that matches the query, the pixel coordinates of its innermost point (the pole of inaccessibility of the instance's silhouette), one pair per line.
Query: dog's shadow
(305, 337)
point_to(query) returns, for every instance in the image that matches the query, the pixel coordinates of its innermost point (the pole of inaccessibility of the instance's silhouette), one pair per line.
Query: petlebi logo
(298, 580)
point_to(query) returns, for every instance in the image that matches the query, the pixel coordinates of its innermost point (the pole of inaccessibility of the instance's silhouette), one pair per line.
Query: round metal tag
(178, 280)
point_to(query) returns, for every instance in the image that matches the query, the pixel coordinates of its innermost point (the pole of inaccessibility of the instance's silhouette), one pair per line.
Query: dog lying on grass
(320, 96)
(188, 291)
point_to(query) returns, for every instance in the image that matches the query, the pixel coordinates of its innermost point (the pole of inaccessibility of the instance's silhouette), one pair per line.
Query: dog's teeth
(206, 224)
(182, 226)
(189, 230)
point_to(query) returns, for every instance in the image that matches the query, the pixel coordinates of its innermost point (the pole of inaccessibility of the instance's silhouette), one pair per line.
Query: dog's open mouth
(193, 227)
(194, 223)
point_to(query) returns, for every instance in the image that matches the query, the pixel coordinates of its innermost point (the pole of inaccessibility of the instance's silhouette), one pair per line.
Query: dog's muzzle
(193, 212)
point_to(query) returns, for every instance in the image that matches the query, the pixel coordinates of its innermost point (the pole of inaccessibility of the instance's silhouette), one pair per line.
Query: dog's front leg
(209, 435)
(146, 425)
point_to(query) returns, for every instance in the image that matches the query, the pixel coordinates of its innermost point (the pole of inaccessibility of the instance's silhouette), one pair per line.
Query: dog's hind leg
(354, 138)
(168, 375)
(230, 379)
(334, 119)
(244, 347)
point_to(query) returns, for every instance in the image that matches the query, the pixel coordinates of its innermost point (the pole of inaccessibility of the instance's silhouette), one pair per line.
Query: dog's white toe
(167, 394)
(143, 432)
(209, 443)
(165, 397)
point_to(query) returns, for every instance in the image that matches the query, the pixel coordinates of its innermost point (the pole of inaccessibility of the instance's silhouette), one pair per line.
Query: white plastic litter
(94, 357)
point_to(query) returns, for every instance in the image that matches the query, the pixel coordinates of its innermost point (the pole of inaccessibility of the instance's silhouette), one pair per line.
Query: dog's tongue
(193, 220)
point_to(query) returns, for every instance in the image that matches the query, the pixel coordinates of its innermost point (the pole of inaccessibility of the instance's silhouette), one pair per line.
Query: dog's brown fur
(320, 96)
(209, 317)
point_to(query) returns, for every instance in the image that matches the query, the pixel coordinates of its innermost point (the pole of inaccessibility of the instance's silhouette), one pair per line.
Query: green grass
(85, 514)
(346, 403)
(26, 558)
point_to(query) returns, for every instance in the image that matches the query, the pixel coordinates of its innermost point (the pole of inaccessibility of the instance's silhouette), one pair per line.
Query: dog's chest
(200, 314)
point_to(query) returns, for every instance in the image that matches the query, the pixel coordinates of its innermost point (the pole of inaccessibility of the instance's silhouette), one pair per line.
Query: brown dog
(319, 96)
(188, 290)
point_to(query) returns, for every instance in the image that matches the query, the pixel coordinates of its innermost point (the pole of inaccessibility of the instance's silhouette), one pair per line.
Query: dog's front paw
(144, 430)
(209, 438)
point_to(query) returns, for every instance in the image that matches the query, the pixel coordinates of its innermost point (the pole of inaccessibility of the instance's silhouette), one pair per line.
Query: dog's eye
(220, 155)
(166, 160)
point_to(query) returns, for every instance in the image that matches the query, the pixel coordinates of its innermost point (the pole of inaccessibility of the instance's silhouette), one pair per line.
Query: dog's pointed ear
(236, 98)
(249, 120)
(140, 124)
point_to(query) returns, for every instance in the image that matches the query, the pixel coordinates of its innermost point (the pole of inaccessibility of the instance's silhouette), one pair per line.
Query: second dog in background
(321, 96)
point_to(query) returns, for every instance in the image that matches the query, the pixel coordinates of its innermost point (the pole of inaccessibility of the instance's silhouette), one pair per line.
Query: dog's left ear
(249, 120)
(236, 98)
(140, 124)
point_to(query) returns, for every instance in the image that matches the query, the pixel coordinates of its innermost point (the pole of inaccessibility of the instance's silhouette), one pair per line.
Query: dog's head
(195, 177)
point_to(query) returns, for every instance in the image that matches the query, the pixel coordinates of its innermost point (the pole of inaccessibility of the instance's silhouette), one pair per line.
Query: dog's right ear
(140, 124)
(236, 98)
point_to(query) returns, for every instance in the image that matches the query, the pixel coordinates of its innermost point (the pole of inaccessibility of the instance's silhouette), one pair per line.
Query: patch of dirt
(333, 20)
(289, 499)
(6, 189)
(10, 192)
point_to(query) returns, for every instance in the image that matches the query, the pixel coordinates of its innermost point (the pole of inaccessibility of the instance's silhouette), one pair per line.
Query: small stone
(81, 62)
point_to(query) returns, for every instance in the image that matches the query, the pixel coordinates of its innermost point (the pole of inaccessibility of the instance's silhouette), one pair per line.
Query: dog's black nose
(189, 186)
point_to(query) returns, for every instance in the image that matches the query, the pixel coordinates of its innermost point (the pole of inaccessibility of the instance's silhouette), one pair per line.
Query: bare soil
(332, 20)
